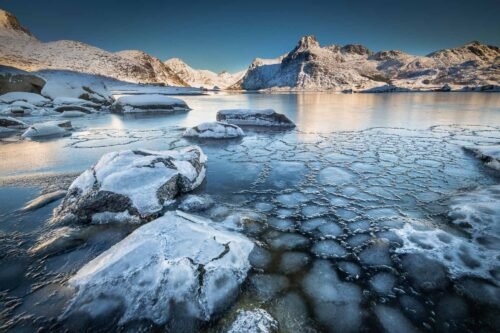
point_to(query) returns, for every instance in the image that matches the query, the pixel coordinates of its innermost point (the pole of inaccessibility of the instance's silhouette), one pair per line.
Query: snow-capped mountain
(202, 78)
(20, 49)
(312, 67)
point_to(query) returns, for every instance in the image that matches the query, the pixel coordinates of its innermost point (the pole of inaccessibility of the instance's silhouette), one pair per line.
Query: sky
(227, 35)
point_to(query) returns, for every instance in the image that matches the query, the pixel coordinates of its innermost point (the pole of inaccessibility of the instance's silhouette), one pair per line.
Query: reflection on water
(312, 112)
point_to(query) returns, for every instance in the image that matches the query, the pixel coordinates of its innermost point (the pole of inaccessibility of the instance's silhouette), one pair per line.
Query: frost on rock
(254, 117)
(478, 212)
(253, 321)
(147, 103)
(135, 183)
(193, 203)
(169, 266)
(27, 97)
(214, 130)
(48, 129)
(489, 154)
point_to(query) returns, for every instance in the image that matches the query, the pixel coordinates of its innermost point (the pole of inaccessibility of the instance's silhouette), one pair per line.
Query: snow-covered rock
(132, 185)
(148, 103)
(31, 98)
(65, 108)
(214, 130)
(69, 86)
(47, 129)
(478, 213)
(175, 264)
(254, 117)
(489, 154)
(385, 89)
(253, 321)
(193, 203)
(10, 122)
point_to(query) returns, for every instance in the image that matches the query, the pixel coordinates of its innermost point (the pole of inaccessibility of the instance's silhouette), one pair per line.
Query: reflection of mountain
(323, 112)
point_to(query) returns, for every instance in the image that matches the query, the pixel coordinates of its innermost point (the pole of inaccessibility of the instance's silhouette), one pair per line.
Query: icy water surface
(349, 212)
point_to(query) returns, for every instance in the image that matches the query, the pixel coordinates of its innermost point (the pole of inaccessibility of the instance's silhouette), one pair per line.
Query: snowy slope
(202, 78)
(18, 48)
(312, 67)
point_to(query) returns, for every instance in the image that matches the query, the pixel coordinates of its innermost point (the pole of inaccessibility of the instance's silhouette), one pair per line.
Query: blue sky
(227, 35)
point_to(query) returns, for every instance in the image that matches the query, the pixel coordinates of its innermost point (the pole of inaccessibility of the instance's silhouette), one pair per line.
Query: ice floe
(253, 321)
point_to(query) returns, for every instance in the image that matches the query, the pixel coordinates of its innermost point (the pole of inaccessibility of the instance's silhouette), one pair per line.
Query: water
(340, 194)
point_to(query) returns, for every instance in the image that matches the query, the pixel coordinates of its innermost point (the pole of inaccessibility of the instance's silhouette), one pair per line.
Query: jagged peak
(306, 42)
(10, 23)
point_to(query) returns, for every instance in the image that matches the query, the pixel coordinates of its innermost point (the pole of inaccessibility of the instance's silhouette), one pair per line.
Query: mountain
(312, 67)
(20, 49)
(202, 78)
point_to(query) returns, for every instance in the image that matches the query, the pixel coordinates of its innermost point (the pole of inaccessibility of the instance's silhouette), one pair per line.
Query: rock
(94, 91)
(254, 117)
(148, 103)
(31, 98)
(478, 213)
(131, 185)
(20, 82)
(58, 240)
(424, 273)
(490, 155)
(388, 88)
(253, 321)
(194, 203)
(445, 88)
(75, 101)
(47, 129)
(10, 122)
(172, 265)
(215, 130)
(43, 200)
(79, 108)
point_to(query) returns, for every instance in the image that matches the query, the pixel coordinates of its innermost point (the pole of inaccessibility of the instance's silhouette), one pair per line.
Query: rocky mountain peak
(10, 24)
(356, 49)
(306, 42)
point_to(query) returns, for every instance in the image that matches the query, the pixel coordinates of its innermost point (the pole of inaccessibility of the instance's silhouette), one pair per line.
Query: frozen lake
(350, 211)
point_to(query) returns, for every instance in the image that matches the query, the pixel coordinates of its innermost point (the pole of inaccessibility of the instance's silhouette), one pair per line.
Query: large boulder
(176, 265)
(254, 117)
(131, 185)
(21, 82)
(152, 103)
(214, 130)
(95, 91)
(47, 129)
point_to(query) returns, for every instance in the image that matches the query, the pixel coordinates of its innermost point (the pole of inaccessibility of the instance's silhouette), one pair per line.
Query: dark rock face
(21, 82)
(249, 117)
